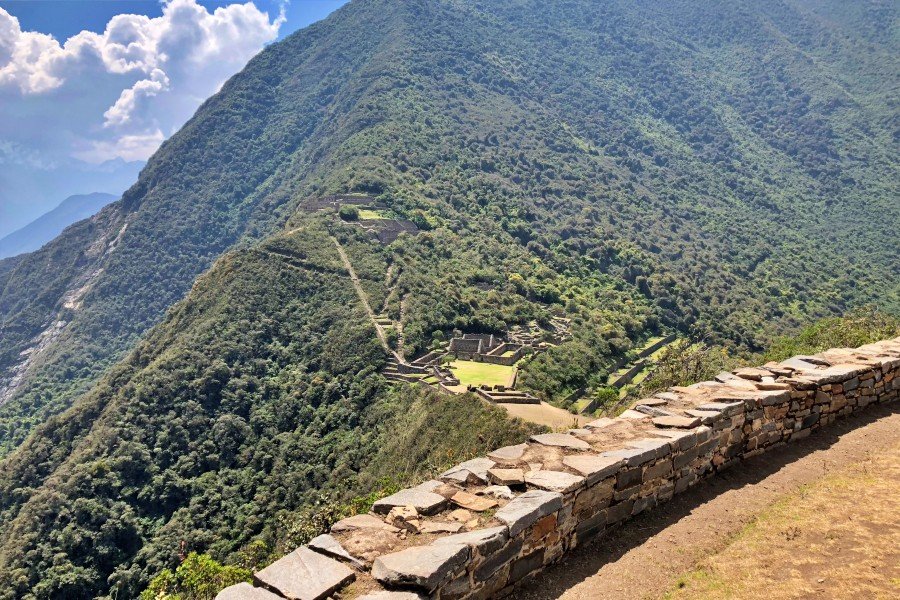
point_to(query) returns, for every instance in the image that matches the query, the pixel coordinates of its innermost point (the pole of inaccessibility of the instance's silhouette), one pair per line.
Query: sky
(89, 89)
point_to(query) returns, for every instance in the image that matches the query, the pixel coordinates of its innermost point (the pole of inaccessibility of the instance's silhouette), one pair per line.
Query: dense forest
(191, 366)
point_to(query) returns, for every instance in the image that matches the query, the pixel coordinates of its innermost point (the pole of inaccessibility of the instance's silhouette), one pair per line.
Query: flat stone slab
(509, 453)
(524, 510)
(554, 481)
(422, 567)
(670, 396)
(305, 575)
(426, 503)
(473, 502)
(651, 402)
(561, 440)
(362, 522)
(632, 414)
(440, 527)
(706, 416)
(507, 476)
(676, 422)
(600, 423)
(485, 541)
(472, 471)
(327, 545)
(245, 591)
(594, 467)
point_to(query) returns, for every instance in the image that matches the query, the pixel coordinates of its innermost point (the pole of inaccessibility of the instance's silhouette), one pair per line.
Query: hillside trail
(379, 330)
(644, 558)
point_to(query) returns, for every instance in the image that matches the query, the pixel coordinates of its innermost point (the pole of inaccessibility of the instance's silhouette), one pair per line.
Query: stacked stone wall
(487, 525)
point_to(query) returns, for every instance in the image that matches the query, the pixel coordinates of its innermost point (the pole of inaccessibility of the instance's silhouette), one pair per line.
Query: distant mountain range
(48, 226)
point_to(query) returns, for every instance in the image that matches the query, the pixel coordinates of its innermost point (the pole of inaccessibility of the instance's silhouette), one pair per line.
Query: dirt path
(645, 558)
(362, 296)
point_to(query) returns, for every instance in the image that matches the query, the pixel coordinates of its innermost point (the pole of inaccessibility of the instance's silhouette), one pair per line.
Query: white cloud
(118, 94)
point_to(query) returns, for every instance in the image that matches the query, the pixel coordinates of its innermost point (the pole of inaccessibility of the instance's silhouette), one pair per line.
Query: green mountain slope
(725, 169)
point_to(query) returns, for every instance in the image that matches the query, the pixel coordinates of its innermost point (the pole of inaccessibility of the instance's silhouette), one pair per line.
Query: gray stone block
(554, 481)
(524, 510)
(593, 467)
(426, 503)
(561, 440)
(421, 567)
(245, 591)
(305, 575)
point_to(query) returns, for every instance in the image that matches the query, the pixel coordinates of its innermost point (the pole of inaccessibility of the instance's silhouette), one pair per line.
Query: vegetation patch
(480, 373)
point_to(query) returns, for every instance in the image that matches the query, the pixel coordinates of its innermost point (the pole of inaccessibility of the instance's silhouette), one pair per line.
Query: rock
(651, 402)
(506, 476)
(509, 453)
(422, 567)
(245, 591)
(528, 508)
(561, 440)
(361, 522)
(676, 422)
(440, 527)
(404, 517)
(632, 414)
(500, 491)
(486, 541)
(460, 514)
(593, 467)
(431, 485)
(554, 481)
(472, 471)
(600, 423)
(305, 575)
(669, 396)
(426, 503)
(327, 545)
(473, 502)
(706, 416)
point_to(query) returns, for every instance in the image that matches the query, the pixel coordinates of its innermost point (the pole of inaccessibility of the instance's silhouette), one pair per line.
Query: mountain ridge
(49, 225)
(561, 161)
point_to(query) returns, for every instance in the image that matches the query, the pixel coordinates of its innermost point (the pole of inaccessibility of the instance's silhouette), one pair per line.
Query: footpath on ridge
(646, 557)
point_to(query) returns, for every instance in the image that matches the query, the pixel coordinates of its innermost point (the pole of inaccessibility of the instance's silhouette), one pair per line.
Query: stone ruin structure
(490, 523)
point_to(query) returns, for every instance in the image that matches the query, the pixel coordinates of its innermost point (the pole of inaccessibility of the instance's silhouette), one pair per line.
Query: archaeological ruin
(486, 525)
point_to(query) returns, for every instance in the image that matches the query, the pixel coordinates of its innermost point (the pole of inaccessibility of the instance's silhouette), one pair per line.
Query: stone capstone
(327, 545)
(561, 440)
(422, 567)
(485, 541)
(305, 575)
(506, 476)
(473, 502)
(509, 453)
(593, 467)
(554, 481)
(245, 591)
(472, 471)
(528, 508)
(676, 422)
(426, 503)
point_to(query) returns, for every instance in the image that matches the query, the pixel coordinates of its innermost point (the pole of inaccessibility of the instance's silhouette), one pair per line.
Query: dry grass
(837, 538)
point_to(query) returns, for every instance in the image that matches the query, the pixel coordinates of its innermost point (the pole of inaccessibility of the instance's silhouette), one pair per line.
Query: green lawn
(478, 373)
(367, 214)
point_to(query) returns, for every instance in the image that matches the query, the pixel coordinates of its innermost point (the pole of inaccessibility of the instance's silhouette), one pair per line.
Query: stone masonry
(488, 524)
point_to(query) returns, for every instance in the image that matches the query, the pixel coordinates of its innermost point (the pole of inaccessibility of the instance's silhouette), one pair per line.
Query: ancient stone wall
(490, 523)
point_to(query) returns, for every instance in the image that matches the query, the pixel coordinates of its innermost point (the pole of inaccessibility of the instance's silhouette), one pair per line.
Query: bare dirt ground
(815, 519)
(546, 414)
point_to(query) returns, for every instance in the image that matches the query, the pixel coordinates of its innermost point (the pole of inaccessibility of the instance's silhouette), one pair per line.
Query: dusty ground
(753, 532)
(546, 414)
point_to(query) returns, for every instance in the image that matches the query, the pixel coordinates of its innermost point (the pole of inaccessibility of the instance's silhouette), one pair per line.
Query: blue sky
(90, 88)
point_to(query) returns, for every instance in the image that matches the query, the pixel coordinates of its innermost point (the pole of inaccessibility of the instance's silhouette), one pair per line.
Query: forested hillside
(727, 170)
